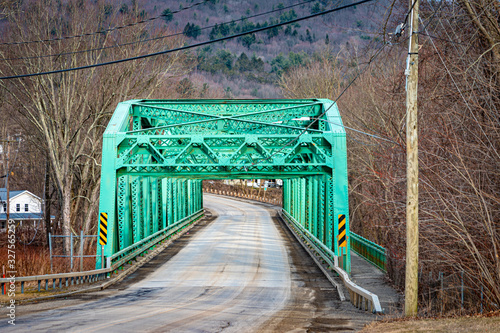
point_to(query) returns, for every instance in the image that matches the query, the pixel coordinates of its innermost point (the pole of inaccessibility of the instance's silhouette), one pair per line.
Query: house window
(26, 207)
(4, 207)
(18, 207)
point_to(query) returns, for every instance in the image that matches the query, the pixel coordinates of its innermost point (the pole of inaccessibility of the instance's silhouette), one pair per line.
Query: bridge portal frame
(157, 152)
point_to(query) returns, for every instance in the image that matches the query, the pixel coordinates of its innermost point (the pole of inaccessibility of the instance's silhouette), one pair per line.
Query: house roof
(12, 194)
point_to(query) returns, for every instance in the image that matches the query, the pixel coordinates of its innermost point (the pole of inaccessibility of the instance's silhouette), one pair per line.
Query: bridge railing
(114, 262)
(359, 297)
(373, 253)
(121, 257)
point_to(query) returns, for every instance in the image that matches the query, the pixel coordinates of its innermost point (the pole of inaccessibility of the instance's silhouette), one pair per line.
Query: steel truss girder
(157, 152)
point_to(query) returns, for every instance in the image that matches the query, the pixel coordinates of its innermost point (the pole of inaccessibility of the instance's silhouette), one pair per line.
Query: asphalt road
(233, 276)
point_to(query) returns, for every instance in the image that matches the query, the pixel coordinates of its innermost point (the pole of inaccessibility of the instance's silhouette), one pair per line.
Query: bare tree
(321, 78)
(69, 111)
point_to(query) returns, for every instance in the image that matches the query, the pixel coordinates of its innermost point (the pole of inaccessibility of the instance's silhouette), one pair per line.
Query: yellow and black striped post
(342, 232)
(342, 240)
(103, 229)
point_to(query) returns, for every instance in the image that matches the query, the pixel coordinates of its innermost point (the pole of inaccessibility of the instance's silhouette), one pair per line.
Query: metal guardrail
(113, 262)
(73, 278)
(136, 249)
(360, 297)
(373, 253)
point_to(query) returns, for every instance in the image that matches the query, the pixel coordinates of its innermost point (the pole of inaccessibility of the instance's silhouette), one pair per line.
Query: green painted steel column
(186, 200)
(146, 210)
(296, 195)
(286, 198)
(190, 197)
(321, 209)
(303, 195)
(329, 215)
(107, 200)
(175, 199)
(123, 209)
(141, 203)
(154, 205)
(136, 208)
(164, 202)
(170, 207)
(341, 202)
(199, 195)
(310, 205)
(315, 208)
(183, 202)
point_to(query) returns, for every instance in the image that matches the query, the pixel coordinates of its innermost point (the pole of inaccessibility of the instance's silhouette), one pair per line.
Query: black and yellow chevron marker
(342, 233)
(103, 229)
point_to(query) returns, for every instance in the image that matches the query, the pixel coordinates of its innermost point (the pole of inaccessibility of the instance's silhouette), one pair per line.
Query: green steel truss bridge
(157, 152)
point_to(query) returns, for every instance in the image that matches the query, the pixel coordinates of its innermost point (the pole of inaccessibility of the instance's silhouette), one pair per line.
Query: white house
(24, 206)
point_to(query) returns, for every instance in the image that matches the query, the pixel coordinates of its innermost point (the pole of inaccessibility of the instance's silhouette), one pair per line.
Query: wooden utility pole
(411, 282)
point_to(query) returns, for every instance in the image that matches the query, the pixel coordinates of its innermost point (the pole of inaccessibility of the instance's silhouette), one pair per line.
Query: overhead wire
(160, 37)
(442, 39)
(318, 117)
(235, 36)
(358, 131)
(187, 46)
(104, 30)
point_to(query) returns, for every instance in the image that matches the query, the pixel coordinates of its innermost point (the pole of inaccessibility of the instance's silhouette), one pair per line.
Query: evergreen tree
(191, 30)
(316, 8)
(308, 36)
(214, 33)
(248, 40)
(167, 15)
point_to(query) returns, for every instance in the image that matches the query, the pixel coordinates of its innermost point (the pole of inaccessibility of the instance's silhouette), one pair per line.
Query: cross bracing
(156, 152)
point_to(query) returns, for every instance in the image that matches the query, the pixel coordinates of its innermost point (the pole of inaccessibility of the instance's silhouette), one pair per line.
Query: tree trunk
(66, 216)
(260, 188)
(47, 200)
(91, 217)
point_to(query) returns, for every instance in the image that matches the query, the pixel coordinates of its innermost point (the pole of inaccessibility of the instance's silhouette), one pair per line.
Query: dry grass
(477, 324)
(34, 259)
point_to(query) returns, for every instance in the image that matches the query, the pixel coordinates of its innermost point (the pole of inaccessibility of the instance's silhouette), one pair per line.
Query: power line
(327, 109)
(105, 30)
(160, 37)
(372, 58)
(442, 39)
(187, 46)
(358, 131)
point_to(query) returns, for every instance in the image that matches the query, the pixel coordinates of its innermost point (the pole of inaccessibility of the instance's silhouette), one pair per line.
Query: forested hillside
(249, 66)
